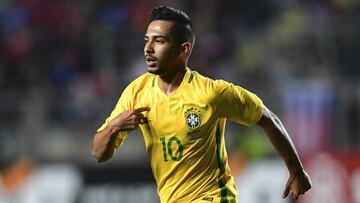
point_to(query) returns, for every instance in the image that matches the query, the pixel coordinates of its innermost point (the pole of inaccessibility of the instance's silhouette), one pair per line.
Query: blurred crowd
(63, 64)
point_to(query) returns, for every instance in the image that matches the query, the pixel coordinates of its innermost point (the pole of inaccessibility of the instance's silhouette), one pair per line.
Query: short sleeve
(237, 104)
(123, 104)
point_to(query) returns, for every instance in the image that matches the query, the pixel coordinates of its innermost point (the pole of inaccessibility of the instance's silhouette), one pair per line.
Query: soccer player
(182, 117)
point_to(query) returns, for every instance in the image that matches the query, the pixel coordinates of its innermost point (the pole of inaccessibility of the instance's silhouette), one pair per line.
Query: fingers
(287, 188)
(129, 120)
(295, 191)
(301, 191)
(292, 189)
(139, 117)
(131, 127)
(297, 186)
(286, 191)
(295, 195)
(144, 120)
(141, 109)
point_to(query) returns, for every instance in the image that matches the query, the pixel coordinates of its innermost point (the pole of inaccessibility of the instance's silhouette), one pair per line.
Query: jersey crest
(192, 118)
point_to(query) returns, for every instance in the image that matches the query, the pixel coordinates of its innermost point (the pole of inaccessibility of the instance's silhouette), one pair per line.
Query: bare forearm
(104, 141)
(104, 144)
(299, 181)
(281, 141)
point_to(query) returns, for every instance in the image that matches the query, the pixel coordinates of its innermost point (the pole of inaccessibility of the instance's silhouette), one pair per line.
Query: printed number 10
(169, 149)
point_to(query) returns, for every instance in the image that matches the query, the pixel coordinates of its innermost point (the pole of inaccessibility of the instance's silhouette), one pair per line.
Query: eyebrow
(155, 37)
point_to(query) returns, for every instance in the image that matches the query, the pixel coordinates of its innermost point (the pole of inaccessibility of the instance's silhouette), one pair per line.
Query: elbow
(98, 151)
(269, 120)
(100, 160)
(97, 156)
(102, 149)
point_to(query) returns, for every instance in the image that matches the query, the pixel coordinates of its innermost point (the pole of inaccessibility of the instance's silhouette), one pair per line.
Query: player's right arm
(104, 142)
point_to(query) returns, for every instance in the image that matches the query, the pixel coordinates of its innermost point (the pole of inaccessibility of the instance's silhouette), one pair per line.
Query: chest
(179, 125)
(178, 114)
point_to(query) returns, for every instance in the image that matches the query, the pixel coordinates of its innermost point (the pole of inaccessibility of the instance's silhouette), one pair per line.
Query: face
(161, 50)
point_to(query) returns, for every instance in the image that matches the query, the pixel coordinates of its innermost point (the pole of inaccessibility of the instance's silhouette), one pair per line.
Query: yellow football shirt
(184, 137)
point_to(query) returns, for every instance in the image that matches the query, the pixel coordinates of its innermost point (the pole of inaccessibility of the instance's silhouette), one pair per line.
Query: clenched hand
(297, 185)
(129, 120)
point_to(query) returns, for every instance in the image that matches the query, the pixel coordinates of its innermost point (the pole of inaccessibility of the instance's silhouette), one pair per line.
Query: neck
(170, 82)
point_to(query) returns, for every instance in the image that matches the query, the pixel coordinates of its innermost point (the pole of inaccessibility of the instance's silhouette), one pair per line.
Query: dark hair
(182, 28)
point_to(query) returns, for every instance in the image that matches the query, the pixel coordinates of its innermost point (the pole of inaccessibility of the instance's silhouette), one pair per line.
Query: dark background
(63, 65)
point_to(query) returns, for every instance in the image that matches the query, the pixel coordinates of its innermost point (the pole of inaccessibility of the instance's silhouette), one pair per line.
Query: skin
(299, 181)
(168, 58)
(171, 56)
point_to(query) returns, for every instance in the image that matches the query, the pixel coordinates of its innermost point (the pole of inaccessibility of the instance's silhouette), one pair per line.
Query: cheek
(165, 54)
(170, 53)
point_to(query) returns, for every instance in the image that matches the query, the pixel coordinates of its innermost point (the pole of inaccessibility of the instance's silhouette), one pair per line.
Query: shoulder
(142, 80)
(208, 88)
(134, 90)
(218, 87)
(205, 82)
(210, 84)
(140, 83)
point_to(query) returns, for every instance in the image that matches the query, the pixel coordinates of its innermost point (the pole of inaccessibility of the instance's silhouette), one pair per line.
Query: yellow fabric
(185, 134)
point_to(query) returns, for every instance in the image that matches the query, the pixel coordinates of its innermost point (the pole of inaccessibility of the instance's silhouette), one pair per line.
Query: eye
(159, 41)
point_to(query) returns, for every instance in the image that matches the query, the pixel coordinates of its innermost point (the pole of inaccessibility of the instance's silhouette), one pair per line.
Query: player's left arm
(299, 181)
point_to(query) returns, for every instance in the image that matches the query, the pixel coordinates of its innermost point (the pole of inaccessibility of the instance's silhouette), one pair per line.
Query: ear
(185, 49)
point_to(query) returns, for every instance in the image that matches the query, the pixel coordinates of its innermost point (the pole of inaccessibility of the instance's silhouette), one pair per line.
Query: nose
(148, 48)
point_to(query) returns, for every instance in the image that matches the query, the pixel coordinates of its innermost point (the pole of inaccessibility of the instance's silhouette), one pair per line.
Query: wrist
(295, 171)
(295, 167)
(112, 128)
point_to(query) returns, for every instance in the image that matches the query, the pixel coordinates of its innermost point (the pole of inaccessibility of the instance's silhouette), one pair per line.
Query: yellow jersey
(184, 136)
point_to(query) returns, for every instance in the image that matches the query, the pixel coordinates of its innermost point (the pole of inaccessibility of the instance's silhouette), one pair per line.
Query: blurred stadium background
(63, 65)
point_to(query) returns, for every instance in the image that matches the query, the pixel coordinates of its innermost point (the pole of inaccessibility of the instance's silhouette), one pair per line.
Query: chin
(154, 70)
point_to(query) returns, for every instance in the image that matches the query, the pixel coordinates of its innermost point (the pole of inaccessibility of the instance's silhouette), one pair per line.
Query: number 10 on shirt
(167, 148)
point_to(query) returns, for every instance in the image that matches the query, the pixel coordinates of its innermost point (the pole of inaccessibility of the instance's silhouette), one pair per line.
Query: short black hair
(182, 27)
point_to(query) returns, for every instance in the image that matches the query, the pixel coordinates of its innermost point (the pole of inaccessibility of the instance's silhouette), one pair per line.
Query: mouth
(150, 61)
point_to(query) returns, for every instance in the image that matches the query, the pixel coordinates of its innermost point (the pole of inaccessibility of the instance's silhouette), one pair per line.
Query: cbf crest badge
(192, 118)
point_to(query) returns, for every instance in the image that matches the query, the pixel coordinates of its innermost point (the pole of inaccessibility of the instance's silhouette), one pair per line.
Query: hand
(129, 120)
(297, 185)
